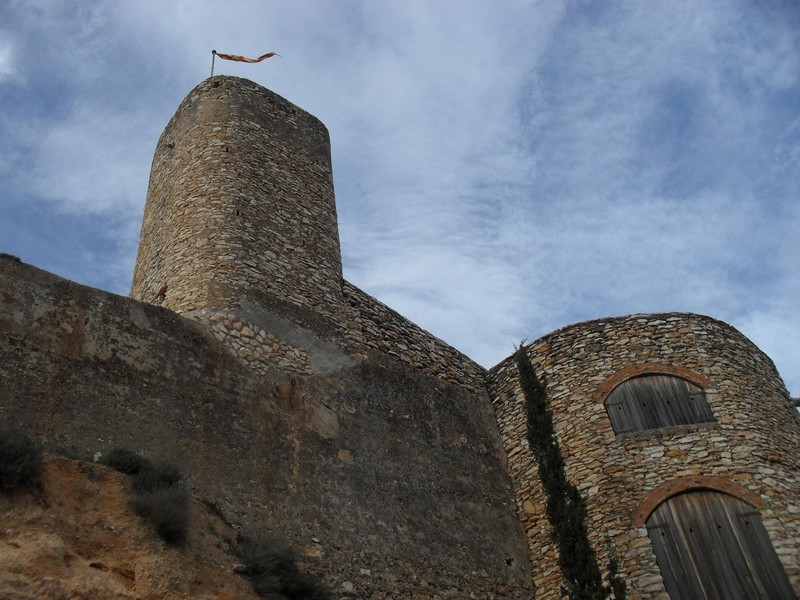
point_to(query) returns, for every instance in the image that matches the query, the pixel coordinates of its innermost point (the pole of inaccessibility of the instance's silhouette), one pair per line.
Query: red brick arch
(692, 482)
(636, 370)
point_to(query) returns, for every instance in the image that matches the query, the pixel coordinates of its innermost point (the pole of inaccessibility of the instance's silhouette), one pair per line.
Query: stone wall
(751, 448)
(284, 340)
(390, 481)
(368, 323)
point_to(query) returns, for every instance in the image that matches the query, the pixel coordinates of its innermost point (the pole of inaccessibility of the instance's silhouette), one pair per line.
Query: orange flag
(238, 58)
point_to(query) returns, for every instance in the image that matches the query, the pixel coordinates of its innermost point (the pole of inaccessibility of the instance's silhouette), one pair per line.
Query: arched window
(712, 546)
(656, 401)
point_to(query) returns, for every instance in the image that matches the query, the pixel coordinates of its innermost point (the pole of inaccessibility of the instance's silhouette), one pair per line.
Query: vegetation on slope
(20, 458)
(271, 565)
(158, 494)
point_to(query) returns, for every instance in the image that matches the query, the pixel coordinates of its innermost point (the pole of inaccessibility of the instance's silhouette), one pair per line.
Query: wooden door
(711, 546)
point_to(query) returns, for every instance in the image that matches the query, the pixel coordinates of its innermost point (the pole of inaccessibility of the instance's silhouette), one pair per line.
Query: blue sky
(502, 169)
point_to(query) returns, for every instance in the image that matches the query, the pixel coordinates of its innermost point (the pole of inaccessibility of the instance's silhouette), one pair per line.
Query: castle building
(298, 403)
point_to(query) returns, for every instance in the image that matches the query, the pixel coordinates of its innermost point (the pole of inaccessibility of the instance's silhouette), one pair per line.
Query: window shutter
(656, 401)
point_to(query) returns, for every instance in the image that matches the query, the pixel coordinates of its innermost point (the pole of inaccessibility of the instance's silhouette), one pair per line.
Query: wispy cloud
(95, 160)
(7, 71)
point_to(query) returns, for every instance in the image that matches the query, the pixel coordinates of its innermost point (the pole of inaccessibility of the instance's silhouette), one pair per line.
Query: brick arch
(688, 483)
(636, 370)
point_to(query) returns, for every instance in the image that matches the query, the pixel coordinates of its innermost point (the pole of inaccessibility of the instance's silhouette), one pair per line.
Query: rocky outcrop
(74, 535)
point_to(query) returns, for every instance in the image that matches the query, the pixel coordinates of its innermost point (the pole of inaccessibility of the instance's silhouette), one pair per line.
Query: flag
(238, 58)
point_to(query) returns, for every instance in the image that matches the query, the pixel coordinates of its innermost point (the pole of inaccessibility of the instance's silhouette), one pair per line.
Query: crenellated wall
(751, 448)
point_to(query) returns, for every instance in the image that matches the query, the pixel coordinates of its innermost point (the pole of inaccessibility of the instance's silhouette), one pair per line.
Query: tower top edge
(669, 320)
(241, 91)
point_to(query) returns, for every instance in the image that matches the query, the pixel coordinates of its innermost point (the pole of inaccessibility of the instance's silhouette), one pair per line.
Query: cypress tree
(566, 508)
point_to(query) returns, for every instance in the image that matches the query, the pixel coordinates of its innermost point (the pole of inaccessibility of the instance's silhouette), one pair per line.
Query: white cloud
(774, 330)
(7, 70)
(95, 160)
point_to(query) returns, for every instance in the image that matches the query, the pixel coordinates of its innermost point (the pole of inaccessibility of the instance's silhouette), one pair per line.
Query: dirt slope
(74, 536)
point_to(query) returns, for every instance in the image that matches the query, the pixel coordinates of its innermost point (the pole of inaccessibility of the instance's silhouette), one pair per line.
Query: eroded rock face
(74, 535)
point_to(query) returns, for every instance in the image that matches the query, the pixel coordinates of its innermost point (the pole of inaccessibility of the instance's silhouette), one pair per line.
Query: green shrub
(156, 476)
(272, 567)
(167, 508)
(126, 461)
(158, 495)
(20, 458)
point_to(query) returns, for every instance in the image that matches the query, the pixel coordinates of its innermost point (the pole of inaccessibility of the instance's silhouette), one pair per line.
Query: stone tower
(678, 432)
(240, 204)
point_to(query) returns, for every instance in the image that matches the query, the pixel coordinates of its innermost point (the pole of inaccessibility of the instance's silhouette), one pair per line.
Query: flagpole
(213, 56)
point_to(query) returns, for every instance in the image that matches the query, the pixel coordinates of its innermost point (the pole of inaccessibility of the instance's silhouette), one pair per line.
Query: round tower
(240, 204)
(681, 438)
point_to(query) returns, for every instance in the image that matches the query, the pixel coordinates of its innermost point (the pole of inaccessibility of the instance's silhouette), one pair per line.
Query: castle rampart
(389, 481)
(266, 341)
(370, 323)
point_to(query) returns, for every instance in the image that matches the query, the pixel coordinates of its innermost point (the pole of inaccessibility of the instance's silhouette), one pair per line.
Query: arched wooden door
(713, 546)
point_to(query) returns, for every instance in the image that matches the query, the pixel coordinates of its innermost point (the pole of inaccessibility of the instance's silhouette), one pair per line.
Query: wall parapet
(267, 334)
